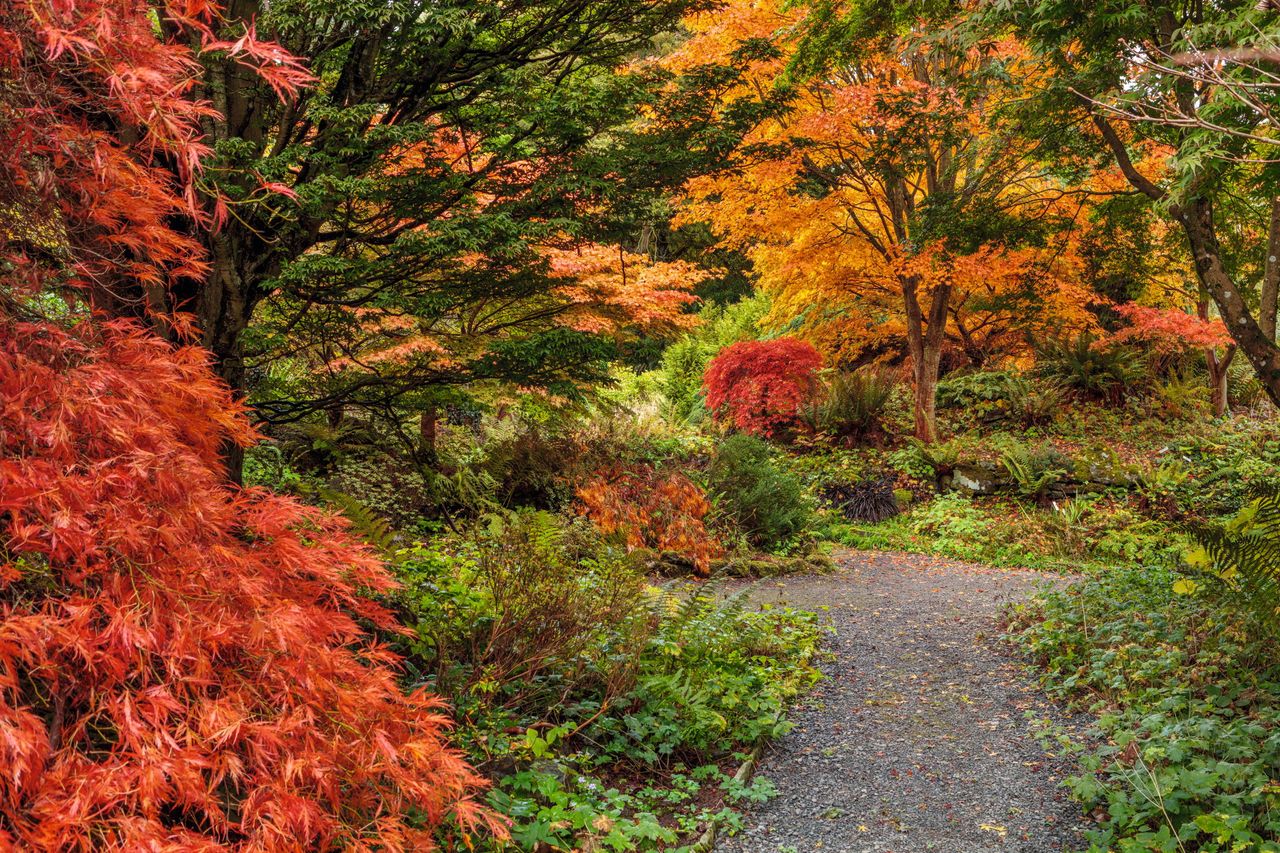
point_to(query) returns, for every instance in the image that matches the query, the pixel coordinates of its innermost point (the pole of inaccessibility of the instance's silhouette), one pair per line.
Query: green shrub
(927, 462)
(685, 361)
(534, 466)
(957, 526)
(530, 594)
(973, 391)
(713, 677)
(767, 503)
(392, 486)
(1183, 395)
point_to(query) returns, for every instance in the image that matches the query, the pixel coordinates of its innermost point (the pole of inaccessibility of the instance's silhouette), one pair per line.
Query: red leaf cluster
(760, 385)
(652, 510)
(1170, 329)
(182, 664)
(101, 140)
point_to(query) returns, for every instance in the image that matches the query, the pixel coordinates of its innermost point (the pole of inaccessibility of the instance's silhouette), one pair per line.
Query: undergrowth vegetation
(610, 712)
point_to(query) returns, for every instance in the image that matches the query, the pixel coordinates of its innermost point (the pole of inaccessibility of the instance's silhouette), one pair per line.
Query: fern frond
(373, 528)
(1244, 556)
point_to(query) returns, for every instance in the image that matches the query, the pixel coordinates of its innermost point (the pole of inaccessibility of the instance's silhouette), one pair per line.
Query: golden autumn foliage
(886, 206)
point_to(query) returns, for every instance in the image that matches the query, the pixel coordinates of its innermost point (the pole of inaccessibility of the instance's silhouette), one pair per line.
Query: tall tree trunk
(924, 343)
(1251, 339)
(1270, 293)
(223, 308)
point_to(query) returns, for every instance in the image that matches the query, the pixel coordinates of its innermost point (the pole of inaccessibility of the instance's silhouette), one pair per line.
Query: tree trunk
(1218, 379)
(428, 433)
(924, 343)
(1217, 365)
(1251, 339)
(223, 308)
(1270, 292)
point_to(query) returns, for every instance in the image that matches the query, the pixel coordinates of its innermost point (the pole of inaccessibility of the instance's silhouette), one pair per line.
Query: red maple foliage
(760, 385)
(652, 510)
(183, 665)
(1171, 330)
(181, 662)
(101, 142)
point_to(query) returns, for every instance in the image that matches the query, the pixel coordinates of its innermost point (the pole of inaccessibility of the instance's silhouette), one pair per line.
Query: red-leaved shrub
(181, 662)
(1170, 329)
(760, 385)
(184, 666)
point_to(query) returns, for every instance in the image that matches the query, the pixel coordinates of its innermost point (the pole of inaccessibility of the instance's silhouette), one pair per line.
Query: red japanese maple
(183, 665)
(1171, 330)
(760, 385)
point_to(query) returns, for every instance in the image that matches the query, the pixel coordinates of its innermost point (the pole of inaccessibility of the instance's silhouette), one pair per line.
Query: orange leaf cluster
(611, 289)
(760, 385)
(652, 510)
(181, 663)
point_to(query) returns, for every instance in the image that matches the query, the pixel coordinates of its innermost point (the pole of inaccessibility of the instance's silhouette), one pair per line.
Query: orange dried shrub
(663, 511)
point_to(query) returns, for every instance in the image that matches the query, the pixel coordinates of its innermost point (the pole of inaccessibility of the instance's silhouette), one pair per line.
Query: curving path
(918, 740)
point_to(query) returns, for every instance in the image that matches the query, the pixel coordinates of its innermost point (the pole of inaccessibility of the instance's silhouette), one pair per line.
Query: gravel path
(918, 739)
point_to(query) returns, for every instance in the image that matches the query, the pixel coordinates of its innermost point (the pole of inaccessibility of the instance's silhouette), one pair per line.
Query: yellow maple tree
(890, 205)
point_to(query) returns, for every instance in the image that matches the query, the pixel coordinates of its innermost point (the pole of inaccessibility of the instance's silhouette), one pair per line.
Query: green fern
(1240, 559)
(373, 528)
(1034, 472)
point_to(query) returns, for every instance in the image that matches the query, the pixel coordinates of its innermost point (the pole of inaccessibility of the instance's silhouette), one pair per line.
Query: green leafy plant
(1185, 751)
(930, 462)
(765, 501)
(1092, 369)
(532, 593)
(1034, 470)
(716, 673)
(992, 396)
(1239, 561)
(850, 404)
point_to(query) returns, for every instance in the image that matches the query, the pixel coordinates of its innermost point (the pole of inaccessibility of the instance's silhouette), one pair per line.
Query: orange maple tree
(882, 207)
(183, 665)
(651, 509)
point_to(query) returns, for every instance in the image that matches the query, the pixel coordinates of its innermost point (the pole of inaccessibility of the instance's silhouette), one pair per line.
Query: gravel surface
(918, 738)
